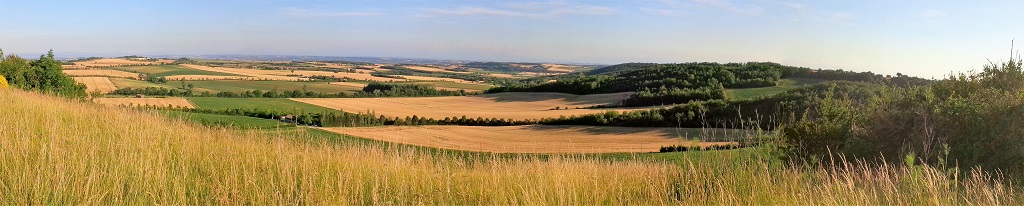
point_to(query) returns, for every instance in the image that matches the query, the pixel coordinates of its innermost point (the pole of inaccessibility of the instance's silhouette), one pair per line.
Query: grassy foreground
(62, 152)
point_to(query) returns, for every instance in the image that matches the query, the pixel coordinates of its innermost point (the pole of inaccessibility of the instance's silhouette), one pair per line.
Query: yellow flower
(3, 82)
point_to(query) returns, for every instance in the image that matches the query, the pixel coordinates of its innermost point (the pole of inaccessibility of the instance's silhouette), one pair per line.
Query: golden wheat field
(96, 84)
(518, 106)
(136, 102)
(208, 77)
(101, 73)
(532, 138)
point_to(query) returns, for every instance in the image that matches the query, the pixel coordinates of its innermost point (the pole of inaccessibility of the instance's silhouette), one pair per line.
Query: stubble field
(96, 84)
(535, 138)
(519, 106)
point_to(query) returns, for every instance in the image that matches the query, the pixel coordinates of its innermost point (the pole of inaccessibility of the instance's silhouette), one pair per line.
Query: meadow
(66, 152)
(278, 104)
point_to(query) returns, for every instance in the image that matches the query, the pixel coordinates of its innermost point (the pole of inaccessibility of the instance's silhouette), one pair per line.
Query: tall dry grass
(54, 151)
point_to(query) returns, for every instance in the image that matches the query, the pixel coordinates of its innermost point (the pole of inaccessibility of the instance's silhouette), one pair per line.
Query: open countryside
(520, 102)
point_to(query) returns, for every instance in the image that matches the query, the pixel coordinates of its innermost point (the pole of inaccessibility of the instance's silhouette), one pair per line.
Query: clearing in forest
(538, 138)
(508, 105)
(135, 102)
(96, 84)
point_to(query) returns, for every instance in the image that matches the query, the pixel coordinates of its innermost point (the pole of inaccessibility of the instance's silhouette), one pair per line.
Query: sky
(925, 38)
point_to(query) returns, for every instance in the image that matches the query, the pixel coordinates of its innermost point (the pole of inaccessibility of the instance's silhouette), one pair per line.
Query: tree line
(43, 75)
(373, 89)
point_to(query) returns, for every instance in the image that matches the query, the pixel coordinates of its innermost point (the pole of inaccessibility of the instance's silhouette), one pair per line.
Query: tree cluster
(44, 75)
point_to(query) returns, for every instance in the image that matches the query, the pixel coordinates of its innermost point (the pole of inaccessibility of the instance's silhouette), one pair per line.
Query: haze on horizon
(926, 38)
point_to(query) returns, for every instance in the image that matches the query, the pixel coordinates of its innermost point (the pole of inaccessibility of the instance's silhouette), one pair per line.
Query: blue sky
(927, 38)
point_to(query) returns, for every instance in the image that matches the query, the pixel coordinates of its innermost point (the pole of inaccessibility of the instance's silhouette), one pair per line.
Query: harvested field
(134, 102)
(112, 63)
(256, 74)
(206, 77)
(433, 69)
(126, 83)
(97, 84)
(535, 138)
(562, 68)
(500, 75)
(73, 67)
(283, 75)
(101, 73)
(457, 86)
(351, 84)
(510, 105)
(422, 78)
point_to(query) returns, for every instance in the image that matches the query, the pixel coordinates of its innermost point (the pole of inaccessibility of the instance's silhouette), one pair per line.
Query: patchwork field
(350, 84)
(112, 62)
(532, 138)
(521, 105)
(280, 86)
(125, 83)
(256, 74)
(133, 102)
(562, 68)
(171, 70)
(277, 104)
(100, 73)
(454, 86)
(96, 84)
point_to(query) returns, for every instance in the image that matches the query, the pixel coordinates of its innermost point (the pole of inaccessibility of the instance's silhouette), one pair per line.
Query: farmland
(170, 70)
(156, 102)
(502, 105)
(100, 73)
(255, 103)
(247, 85)
(536, 138)
(96, 84)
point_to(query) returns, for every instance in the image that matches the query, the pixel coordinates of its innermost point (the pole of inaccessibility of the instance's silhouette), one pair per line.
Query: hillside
(65, 152)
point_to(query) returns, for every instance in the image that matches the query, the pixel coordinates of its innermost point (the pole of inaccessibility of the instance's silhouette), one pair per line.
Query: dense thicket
(974, 119)
(758, 113)
(44, 75)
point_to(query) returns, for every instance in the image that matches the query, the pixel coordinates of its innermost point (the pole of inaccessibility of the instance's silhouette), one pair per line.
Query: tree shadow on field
(704, 134)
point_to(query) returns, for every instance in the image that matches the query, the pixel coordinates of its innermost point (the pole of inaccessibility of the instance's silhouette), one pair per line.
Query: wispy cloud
(809, 13)
(529, 9)
(300, 12)
(673, 7)
(739, 8)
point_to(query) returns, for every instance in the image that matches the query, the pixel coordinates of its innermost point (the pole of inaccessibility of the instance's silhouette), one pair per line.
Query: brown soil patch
(98, 84)
(101, 73)
(135, 102)
(531, 138)
(510, 105)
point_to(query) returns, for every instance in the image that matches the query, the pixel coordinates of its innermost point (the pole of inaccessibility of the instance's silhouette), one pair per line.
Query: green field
(124, 83)
(754, 93)
(455, 85)
(169, 70)
(280, 86)
(240, 122)
(278, 104)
